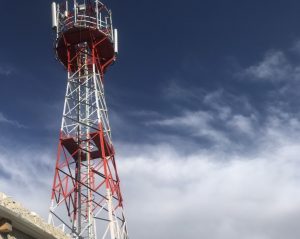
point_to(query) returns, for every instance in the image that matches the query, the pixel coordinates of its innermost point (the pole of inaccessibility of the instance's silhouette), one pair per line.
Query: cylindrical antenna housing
(116, 43)
(54, 15)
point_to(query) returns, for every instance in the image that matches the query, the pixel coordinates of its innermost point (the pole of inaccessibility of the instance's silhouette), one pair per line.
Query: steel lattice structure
(86, 199)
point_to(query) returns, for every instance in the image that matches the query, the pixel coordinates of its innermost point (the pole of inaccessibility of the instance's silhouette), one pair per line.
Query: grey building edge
(25, 224)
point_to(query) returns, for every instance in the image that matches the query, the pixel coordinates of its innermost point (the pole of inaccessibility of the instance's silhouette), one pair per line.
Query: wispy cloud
(176, 91)
(219, 193)
(215, 194)
(26, 174)
(6, 70)
(197, 124)
(220, 118)
(276, 66)
(5, 120)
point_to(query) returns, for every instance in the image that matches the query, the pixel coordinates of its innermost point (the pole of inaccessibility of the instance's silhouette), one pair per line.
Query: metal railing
(85, 21)
(91, 16)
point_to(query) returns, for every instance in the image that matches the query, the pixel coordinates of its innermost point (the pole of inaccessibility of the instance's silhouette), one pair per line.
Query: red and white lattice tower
(86, 198)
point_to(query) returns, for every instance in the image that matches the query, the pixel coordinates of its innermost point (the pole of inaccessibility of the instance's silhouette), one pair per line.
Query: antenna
(116, 43)
(54, 16)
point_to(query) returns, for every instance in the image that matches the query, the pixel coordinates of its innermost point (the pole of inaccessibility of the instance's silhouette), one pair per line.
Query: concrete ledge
(27, 222)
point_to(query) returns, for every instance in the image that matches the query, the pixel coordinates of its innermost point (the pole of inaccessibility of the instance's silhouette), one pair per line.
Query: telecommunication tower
(86, 199)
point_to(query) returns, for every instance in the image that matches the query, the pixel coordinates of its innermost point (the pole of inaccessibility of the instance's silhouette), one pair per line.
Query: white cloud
(197, 124)
(212, 195)
(201, 194)
(276, 66)
(243, 124)
(219, 123)
(5, 120)
(27, 175)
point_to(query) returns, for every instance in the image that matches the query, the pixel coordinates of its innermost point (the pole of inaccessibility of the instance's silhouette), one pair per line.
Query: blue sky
(203, 104)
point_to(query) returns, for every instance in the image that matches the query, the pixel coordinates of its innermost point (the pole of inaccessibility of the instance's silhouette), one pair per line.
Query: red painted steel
(93, 150)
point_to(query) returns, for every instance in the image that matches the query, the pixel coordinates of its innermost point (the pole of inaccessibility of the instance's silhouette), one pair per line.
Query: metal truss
(86, 199)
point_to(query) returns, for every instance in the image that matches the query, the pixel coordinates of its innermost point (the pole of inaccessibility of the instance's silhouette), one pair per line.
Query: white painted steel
(101, 19)
(54, 15)
(116, 41)
(112, 225)
(84, 109)
(85, 91)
